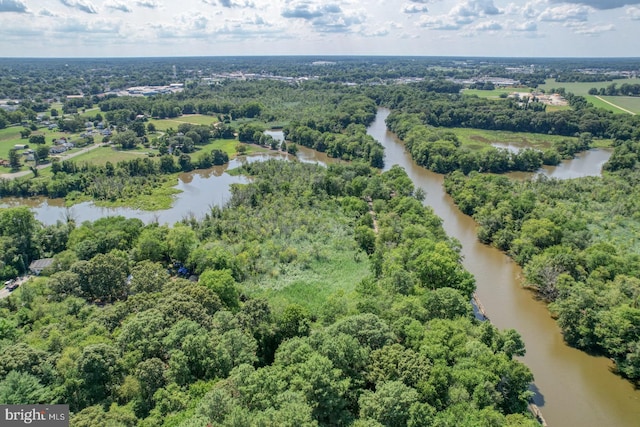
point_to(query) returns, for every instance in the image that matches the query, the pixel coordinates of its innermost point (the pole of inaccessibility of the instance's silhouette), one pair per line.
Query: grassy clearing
(195, 119)
(479, 138)
(339, 271)
(580, 88)
(100, 156)
(490, 94)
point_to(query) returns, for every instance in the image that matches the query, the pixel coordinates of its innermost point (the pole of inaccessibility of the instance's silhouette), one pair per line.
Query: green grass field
(100, 156)
(340, 272)
(491, 94)
(582, 88)
(579, 88)
(195, 119)
(479, 138)
(631, 103)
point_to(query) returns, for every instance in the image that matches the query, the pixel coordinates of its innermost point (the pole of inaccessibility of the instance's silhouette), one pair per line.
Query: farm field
(582, 88)
(630, 103)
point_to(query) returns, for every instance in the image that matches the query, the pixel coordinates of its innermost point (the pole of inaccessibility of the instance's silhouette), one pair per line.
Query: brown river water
(573, 388)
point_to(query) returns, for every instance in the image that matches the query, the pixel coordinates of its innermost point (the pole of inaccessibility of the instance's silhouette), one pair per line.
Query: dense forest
(573, 238)
(124, 340)
(316, 295)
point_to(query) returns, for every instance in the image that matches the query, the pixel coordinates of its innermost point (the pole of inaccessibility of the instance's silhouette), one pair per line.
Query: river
(573, 388)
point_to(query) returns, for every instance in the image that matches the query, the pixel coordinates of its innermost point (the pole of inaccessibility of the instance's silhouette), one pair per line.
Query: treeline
(625, 156)
(625, 89)
(574, 241)
(513, 115)
(353, 143)
(440, 150)
(125, 180)
(113, 335)
(577, 76)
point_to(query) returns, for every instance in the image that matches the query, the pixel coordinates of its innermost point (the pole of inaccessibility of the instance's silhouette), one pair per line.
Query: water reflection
(200, 190)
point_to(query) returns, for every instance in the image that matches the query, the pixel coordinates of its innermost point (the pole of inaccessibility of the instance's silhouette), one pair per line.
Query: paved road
(4, 292)
(68, 156)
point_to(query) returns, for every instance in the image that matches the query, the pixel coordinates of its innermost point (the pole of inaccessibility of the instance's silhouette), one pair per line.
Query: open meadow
(479, 138)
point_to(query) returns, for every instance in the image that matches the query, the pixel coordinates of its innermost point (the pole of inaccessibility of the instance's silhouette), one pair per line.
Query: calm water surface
(574, 389)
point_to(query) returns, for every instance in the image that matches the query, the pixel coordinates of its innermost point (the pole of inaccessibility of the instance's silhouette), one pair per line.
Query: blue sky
(106, 28)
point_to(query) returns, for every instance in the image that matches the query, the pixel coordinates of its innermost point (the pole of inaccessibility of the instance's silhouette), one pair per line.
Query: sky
(134, 28)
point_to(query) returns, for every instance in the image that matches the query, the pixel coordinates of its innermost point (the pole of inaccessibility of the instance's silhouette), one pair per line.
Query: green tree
(127, 139)
(181, 240)
(390, 404)
(20, 388)
(104, 277)
(14, 159)
(98, 371)
(36, 139)
(42, 153)
(148, 276)
(223, 284)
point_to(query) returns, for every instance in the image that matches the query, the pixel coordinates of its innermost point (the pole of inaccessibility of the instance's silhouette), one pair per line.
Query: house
(20, 146)
(38, 265)
(57, 150)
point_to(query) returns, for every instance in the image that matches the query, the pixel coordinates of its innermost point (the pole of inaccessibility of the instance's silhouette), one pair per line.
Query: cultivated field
(581, 88)
(631, 103)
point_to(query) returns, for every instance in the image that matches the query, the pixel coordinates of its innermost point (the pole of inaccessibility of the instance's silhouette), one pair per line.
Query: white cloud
(17, 6)
(439, 23)
(600, 4)
(118, 5)
(46, 12)
(414, 8)
(150, 4)
(81, 5)
(475, 8)
(230, 3)
(565, 13)
(633, 13)
(487, 26)
(589, 29)
(324, 18)
(527, 26)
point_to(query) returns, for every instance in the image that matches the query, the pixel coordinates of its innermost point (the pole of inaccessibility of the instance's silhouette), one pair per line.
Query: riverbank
(572, 387)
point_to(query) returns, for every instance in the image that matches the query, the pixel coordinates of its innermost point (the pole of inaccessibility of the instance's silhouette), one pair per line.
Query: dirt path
(617, 106)
(373, 216)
